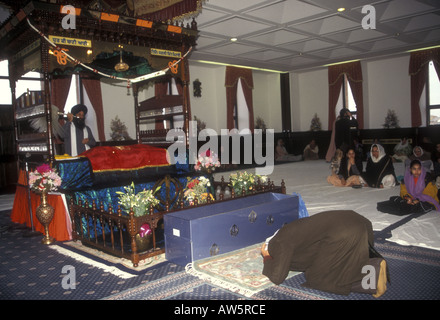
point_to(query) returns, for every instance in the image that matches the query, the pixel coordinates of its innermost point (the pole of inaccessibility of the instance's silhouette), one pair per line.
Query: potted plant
(245, 181)
(140, 202)
(197, 188)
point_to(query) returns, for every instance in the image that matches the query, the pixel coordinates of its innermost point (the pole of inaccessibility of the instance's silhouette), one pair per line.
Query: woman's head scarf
(381, 153)
(416, 189)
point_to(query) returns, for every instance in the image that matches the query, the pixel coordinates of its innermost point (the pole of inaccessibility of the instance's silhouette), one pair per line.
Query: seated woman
(418, 193)
(402, 150)
(419, 154)
(311, 151)
(330, 247)
(281, 153)
(349, 171)
(379, 171)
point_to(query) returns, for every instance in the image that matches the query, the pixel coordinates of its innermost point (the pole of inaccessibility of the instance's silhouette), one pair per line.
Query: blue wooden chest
(196, 233)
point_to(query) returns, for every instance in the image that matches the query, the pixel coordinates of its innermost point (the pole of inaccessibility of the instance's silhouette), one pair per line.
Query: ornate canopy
(100, 37)
(126, 40)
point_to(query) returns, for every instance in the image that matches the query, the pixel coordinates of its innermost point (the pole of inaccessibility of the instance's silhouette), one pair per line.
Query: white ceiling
(289, 35)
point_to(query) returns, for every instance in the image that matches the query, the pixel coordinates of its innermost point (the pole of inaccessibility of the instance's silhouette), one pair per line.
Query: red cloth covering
(60, 227)
(138, 156)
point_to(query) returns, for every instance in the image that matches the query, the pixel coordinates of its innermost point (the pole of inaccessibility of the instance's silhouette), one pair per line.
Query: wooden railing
(118, 234)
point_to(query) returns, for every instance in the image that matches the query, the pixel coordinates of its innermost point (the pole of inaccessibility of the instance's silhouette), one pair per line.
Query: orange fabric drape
(353, 70)
(60, 228)
(418, 71)
(231, 80)
(93, 89)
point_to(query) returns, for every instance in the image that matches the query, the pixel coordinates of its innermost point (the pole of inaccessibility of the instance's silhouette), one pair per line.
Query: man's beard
(80, 123)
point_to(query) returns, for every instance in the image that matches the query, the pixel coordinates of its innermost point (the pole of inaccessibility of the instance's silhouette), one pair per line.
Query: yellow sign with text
(64, 41)
(166, 53)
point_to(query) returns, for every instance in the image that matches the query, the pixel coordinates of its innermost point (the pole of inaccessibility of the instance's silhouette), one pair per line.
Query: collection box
(200, 232)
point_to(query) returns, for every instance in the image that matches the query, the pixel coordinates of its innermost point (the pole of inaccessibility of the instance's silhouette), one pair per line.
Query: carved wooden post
(110, 223)
(186, 104)
(47, 103)
(136, 111)
(132, 230)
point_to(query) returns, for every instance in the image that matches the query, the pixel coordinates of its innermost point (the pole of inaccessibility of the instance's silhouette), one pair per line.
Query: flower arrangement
(118, 130)
(197, 189)
(391, 120)
(140, 202)
(44, 179)
(207, 161)
(260, 124)
(245, 180)
(315, 124)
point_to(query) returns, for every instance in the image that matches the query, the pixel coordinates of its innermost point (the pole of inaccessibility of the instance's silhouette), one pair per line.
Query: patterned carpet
(30, 270)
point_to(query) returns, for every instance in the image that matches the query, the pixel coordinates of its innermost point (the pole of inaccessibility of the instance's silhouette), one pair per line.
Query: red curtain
(93, 89)
(59, 91)
(418, 70)
(353, 70)
(160, 89)
(231, 80)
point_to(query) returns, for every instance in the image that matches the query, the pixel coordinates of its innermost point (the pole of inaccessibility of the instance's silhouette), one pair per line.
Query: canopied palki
(101, 191)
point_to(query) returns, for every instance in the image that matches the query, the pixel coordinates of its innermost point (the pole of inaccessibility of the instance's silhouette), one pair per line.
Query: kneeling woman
(418, 193)
(330, 247)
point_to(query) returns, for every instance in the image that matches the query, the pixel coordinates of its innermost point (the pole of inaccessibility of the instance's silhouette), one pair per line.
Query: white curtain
(242, 108)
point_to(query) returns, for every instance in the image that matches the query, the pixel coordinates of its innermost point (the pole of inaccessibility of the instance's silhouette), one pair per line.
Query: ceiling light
(234, 39)
(341, 9)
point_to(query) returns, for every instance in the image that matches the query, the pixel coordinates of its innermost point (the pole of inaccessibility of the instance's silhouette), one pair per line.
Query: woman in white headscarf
(424, 158)
(379, 172)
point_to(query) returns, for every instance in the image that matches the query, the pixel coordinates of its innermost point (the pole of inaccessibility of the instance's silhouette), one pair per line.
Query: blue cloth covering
(302, 209)
(75, 174)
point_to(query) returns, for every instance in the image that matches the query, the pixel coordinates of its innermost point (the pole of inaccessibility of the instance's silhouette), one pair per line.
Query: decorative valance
(419, 59)
(418, 71)
(235, 73)
(165, 10)
(353, 71)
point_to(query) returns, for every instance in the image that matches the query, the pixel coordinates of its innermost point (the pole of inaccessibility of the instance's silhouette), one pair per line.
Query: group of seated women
(419, 190)
(379, 171)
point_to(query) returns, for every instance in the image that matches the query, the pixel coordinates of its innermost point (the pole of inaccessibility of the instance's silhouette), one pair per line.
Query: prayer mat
(120, 267)
(239, 271)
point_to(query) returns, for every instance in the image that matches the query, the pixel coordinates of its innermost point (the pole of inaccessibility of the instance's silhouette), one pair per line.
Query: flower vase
(45, 213)
(210, 176)
(144, 243)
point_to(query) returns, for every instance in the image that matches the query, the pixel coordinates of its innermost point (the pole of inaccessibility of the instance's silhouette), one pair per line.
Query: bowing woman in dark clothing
(331, 248)
(379, 171)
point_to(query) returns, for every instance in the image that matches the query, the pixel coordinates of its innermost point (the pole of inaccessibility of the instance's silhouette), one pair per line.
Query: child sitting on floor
(418, 193)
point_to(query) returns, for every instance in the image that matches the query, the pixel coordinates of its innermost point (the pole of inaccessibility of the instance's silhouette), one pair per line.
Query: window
(346, 99)
(32, 82)
(432, 96)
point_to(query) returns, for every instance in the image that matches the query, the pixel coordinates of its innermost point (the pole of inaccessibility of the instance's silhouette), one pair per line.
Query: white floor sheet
(308, 178)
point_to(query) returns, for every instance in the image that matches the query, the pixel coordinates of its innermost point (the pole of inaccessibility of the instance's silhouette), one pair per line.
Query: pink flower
(43, 168)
